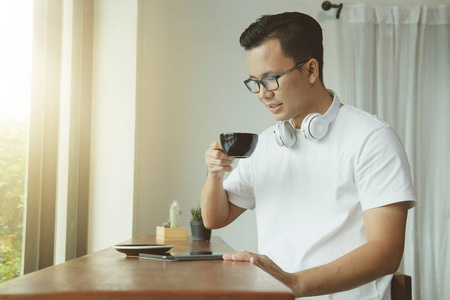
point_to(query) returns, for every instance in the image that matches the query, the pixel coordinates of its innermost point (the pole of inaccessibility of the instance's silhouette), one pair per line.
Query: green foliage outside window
(13, 145)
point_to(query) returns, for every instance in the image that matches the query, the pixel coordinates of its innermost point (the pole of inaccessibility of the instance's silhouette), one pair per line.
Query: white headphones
(314, 126)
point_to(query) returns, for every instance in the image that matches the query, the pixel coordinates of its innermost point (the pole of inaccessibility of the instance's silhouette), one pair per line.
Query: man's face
(290, 100)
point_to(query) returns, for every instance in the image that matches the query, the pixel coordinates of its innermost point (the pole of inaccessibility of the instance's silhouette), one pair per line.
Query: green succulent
(196, 214)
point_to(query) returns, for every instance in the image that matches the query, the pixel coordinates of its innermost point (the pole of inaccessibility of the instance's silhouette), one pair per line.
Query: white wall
(192, 69)
(189, 90)
(113, 123)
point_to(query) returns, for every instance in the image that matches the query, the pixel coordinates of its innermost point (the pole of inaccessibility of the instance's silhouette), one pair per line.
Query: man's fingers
(239, 256)
(216, 145)
(216, 160)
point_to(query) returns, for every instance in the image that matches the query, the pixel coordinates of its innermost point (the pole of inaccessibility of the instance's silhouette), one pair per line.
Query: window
(16, 28)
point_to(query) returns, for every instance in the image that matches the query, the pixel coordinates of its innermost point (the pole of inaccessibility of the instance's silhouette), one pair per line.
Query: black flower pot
(200, 232)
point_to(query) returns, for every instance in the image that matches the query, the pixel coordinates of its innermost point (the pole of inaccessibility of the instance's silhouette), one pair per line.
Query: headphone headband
(332, 111)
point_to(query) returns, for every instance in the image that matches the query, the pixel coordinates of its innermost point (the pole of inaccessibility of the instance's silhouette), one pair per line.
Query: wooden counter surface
(108, 274)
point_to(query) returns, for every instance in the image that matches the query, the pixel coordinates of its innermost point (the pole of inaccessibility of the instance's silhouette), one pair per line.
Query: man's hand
(217, 161)
(217, 211)
(266, 264)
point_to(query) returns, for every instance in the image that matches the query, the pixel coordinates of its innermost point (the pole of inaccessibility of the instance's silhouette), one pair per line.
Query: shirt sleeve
(383, 173)
(238, 186)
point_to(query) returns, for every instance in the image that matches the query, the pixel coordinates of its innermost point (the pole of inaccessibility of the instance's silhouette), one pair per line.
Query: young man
(331, 208)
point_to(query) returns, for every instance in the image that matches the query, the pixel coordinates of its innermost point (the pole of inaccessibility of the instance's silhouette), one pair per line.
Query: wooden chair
(401, 287)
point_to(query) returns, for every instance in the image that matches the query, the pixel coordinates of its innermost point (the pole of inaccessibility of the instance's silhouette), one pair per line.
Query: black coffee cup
(238, 144)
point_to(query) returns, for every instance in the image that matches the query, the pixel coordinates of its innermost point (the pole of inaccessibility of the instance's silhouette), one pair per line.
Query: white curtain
(398, 67)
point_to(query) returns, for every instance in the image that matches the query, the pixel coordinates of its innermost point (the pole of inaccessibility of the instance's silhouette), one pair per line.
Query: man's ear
(313, 70)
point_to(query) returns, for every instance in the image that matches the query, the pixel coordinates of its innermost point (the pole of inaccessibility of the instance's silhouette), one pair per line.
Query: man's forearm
(363, 265)
(214, 203)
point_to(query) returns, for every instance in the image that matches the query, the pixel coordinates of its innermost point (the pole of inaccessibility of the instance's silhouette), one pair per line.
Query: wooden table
(108, 274)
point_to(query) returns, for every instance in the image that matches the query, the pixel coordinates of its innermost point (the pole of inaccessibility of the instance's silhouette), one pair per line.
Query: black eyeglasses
(269, 82)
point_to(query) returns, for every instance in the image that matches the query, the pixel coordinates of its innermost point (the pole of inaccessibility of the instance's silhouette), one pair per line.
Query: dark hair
(300, 36)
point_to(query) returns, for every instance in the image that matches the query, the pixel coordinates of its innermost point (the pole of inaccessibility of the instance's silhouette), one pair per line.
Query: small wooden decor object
(171, 233)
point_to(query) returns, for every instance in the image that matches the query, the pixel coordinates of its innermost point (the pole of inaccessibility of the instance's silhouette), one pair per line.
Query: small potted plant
(198, 229)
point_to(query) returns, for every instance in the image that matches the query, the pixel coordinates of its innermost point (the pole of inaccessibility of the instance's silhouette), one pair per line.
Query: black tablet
(180, 256)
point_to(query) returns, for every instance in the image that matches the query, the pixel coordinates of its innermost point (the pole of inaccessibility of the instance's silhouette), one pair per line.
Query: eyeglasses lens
(270, 83)
(253, 86)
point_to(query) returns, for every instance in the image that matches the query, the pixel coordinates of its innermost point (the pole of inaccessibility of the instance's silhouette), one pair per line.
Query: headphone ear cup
(315, 126)
(277, 134)
(319, 127)
(312, 127)
(285, 134)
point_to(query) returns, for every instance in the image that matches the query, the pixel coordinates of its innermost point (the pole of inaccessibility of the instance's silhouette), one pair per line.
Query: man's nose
(264, 93)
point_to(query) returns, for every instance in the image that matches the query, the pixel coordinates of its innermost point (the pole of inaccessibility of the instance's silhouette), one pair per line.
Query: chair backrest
(401, 287)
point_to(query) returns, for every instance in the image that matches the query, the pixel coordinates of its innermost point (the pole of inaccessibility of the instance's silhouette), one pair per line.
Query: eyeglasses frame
(260, 82)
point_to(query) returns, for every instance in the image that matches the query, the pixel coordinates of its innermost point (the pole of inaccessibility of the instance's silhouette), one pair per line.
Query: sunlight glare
(16, 30)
